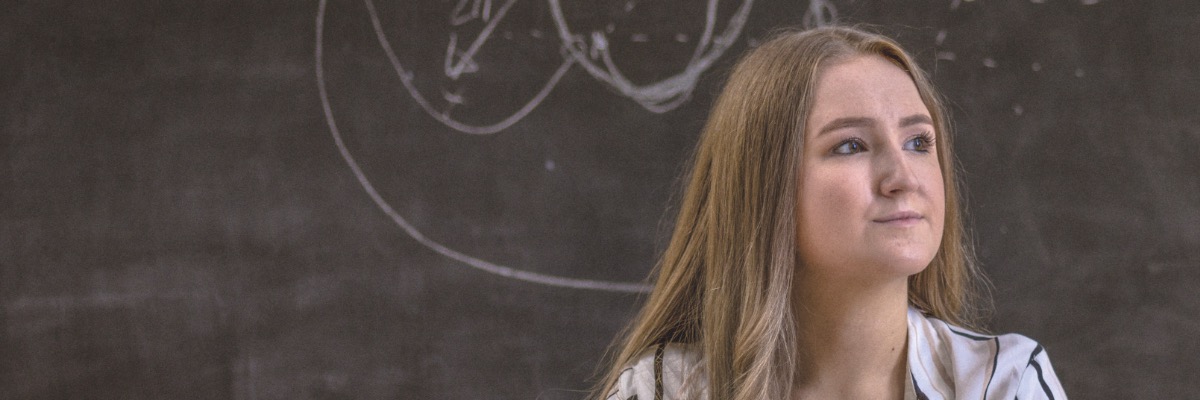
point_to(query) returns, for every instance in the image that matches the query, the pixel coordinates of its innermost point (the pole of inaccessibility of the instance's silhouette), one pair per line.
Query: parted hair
(724, 283)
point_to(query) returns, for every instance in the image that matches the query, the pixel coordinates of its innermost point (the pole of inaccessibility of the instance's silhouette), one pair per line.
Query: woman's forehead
(866, 87)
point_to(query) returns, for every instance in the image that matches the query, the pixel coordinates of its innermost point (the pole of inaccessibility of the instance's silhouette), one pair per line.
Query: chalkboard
(462, 198)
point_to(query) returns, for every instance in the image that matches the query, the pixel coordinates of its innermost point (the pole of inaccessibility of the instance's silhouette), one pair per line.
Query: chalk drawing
(595, 58)
(466, 63)
(403, 223)
(820, 13)
(458, 17)
(466, 59)
(657, 97)
(664, 95)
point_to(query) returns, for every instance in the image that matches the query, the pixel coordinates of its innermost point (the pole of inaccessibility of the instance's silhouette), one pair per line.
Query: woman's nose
(896, 175)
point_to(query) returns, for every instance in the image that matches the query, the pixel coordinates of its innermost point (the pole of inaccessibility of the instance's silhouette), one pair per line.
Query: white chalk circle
(483, 265)
(406, 78)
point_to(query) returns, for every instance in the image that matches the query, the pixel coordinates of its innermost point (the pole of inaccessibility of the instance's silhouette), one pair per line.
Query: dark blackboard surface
(177, 219)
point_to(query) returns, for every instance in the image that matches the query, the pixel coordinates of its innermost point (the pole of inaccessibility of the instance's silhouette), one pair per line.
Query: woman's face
(871, 200)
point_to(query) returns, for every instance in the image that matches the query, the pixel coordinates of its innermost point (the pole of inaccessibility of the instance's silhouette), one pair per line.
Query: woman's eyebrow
(915, 119)
(846, 122)
(856, 122)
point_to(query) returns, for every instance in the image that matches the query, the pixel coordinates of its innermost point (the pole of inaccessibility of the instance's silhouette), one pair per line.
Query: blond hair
(724, 283)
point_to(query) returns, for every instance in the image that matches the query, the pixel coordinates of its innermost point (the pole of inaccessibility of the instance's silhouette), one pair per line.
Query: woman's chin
(904, 264)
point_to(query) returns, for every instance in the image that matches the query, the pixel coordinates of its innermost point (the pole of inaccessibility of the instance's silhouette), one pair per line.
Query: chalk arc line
(443, 116)
(483, 265)
(666, 94)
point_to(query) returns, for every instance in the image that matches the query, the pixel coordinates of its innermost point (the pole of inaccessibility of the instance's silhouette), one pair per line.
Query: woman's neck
(851, 339)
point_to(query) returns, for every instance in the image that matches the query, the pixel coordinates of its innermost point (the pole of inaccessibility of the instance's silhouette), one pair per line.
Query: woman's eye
(849, 147)
(922, 143)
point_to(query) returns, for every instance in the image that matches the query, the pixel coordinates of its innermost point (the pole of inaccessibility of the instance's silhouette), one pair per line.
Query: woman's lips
(900, 218)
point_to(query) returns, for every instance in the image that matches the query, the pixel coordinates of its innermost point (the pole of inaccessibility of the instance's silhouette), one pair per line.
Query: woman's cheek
(934, 189)
(843, 193)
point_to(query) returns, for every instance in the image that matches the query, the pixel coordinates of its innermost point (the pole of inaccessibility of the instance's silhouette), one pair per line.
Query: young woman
(819, 251)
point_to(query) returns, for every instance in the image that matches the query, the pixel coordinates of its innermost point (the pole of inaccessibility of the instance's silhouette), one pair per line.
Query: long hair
(724, 282)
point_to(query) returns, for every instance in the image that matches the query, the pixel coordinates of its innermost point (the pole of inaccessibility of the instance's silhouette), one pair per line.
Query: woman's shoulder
(666, 371)
(955, 362)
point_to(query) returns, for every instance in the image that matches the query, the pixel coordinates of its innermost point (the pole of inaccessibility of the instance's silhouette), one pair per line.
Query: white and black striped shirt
(944, 362)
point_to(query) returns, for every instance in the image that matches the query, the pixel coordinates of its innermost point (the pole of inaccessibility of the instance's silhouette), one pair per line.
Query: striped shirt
(944, 362)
